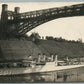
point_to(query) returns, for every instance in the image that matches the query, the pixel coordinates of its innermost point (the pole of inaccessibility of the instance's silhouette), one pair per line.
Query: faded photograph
(41, 42)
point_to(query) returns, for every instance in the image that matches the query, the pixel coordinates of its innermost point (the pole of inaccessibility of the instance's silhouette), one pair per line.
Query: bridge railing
(51, 11)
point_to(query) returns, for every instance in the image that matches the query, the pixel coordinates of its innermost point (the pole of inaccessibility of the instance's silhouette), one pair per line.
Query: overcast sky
(70, 28)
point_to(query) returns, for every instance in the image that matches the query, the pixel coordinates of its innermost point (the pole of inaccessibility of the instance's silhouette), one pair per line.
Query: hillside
(63, 49)
(21, 49)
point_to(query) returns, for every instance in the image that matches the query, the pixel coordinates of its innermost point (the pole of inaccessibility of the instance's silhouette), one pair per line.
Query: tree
(49, 38)
(35, 37)
(80, 40)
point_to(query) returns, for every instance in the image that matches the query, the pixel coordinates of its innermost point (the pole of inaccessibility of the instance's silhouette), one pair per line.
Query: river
(71, 75)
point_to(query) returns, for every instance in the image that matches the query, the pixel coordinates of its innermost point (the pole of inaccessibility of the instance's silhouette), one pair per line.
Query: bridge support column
(4, 18)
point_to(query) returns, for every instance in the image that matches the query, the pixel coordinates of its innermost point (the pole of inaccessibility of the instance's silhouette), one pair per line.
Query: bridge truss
(21, 23)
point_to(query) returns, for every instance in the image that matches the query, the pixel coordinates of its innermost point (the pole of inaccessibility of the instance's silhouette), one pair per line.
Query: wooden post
(55, 60)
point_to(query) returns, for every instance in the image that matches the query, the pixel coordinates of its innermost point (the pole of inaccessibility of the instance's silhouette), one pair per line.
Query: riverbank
(21, 49)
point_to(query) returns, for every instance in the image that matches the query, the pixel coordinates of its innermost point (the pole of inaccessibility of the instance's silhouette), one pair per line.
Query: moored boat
(37, 67)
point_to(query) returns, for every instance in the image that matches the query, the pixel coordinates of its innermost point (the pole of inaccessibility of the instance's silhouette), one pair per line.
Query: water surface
(71, 75)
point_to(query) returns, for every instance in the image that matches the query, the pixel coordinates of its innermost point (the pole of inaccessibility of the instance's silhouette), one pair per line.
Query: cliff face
(21, 49)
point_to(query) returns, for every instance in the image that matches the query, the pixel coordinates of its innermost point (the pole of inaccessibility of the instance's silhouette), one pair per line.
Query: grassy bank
(21, 49)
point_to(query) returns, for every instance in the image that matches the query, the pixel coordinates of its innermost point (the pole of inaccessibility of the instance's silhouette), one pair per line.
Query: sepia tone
(36, 58)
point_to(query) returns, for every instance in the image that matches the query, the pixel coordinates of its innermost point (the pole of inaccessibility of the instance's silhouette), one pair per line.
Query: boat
(37, 67)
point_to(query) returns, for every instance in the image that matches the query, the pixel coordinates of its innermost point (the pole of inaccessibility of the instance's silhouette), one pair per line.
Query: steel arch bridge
(15, 23)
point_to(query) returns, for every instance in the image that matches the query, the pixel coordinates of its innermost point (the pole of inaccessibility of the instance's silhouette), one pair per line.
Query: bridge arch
(70, 27)
(29, 27)
(27, 21)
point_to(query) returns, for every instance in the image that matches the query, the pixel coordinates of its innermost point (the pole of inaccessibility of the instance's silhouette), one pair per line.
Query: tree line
(35, 37)
(60, 39)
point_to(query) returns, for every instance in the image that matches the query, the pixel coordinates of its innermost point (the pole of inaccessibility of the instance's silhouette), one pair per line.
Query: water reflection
(64, 76)
(73, 75)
